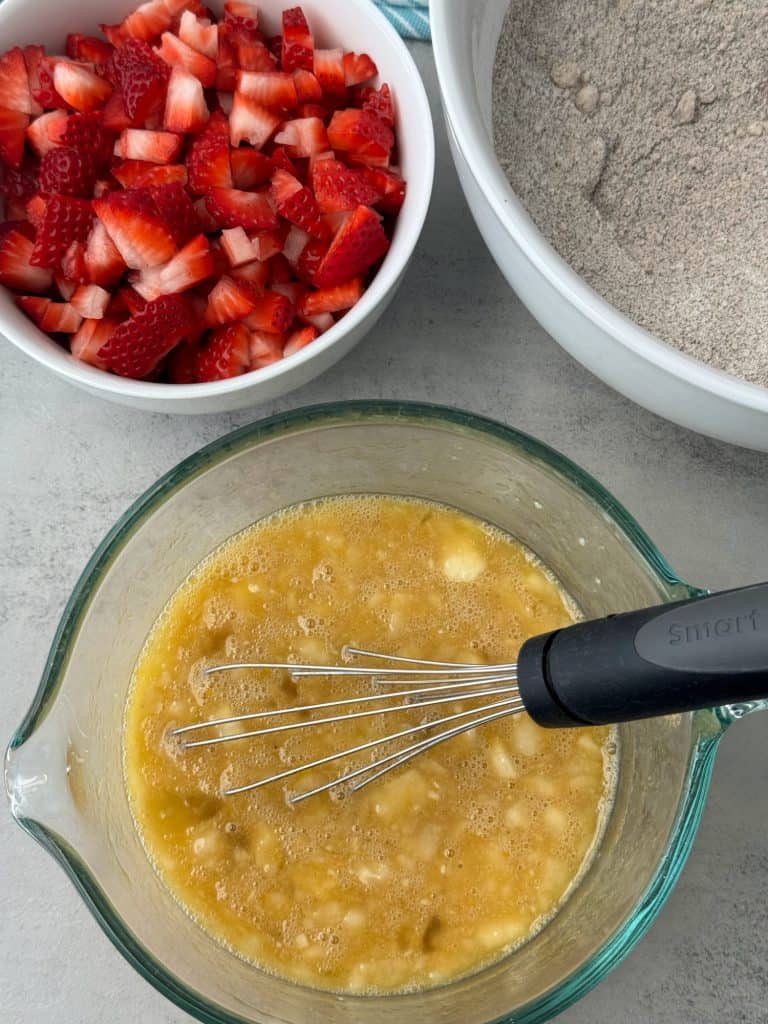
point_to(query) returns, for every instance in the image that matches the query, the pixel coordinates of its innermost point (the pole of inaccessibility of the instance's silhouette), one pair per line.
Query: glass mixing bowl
(64, 765)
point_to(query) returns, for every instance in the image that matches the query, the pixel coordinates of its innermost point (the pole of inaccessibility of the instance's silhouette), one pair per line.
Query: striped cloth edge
(410, 17)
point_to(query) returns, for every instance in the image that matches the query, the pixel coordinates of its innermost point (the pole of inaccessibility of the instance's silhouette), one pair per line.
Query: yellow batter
(427, 874)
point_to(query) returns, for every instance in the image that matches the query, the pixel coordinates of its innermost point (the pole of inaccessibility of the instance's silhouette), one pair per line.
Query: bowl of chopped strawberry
(204, 207)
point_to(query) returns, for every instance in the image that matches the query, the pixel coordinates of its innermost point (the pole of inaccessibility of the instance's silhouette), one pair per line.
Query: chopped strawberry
(322, 322)
(226, 354)
(53, 317)
(269, 243)
(391, 185)
(142, 78)
(256, 273)
(176, 211)
(13, 132)
(303, 136)
(40, 72)
(138, 344)
(338, 187)
(379, 102)
(241, 16)
(281, 160)
(35, 210)
(14, 83)
(358, 68)
(79, 87)
(74, 268)
(280, 270)
(88, 49)
(200, 34)
(311, 258)
(229, 300)
(90, 301)
(16, 270)
(226, 63)
(138, 174)
(298, 45)
(208, 159)
(89, 340)
(249, 167)
(37, 132)
(114, 115)
(357, 245)
(329, 71)
(299, 340)
(185, 109)
(152, 147)
(84, 132)
(65, 220)
(65, 287)
(250, 122)
(146, 22)
(308, 89)
(176, 52)
(265, 348)
(253, 55)
(296, 203)
(332, 300)
(361, 134)
(237, 246)
(140, 235)
(104, 264)
(232, 208)
(19, 184)
(127, 300)
(189, 267)
(182, 365)
(295, 243)
(268, 88)
(292, 290)
(67, 171)
(272, 313)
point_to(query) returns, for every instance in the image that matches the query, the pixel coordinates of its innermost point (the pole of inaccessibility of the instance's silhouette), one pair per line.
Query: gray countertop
(70, 464)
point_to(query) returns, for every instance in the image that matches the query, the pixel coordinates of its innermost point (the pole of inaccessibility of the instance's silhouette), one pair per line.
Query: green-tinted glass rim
(321, 416)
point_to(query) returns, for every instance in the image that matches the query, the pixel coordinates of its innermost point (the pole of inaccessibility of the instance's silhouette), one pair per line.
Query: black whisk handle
(700, 653)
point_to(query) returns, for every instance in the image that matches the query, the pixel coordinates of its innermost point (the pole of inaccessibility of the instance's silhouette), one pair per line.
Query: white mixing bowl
(630, 359)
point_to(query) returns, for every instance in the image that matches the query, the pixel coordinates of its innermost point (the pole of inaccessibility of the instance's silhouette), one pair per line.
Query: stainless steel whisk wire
(452, 682)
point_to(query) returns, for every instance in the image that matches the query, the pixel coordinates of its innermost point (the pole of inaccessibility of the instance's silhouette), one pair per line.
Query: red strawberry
(20, 184)
(140, 235)
(329, 71)
(189, 267)
(185, 108)
(37, 132)
(208, 159)
(226, 63)
(90, 301)
(138, 174)
(53, 317)
(249, 167)
(65, 220)
(175, 52)
(361, 134)
(379, 102)
(142, 78)
(265, 348)
(331, 300)
(237, 247)
(298, 45)
(138, 345)
(152, 147)
(359, 243)
(268, 88)
(92, 336)
(280, 270)
(308, 89)
(250, 122)
(323, 322)
(14, 83)
(358, 68)
(269, 243)
(311, 258)
(74, 267)
(182, 365)
(67, 171)
(127, 300)
(281, 160)
(177, 212)
(200, 36)
(13, 130)
(146, 22)
(391, 186)
(303, 136)
(40, 72)
(252, 55)
(338, 187)
(241, 16)
(232, 208)
(226, 354)
(272, 313)
(104, 264)
(299, 340)
(88, 49)
(84, 132)
(297, 204)
(255, 273)
(16, 270)
(295, 242)
(292, 290)
(79, 87)
(114, 115)
(229, 300)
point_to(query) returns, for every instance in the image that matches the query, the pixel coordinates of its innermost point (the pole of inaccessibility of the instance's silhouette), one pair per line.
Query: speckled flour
(636, 134)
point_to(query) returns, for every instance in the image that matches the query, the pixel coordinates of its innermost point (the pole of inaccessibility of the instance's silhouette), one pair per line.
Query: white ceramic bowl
(354, 24)
(630, 359)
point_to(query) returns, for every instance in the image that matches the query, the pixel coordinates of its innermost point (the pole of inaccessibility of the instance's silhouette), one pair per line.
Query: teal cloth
(410, 17)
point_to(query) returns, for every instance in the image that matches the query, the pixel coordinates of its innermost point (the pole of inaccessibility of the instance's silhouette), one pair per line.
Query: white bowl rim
(466, 125)
(386, 279)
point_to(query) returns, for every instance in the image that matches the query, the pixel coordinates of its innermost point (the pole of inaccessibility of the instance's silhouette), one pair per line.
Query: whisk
(672, 658)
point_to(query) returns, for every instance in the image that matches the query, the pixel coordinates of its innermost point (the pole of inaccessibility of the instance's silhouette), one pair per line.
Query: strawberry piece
(185, 108)
(142, 78)
(38, 131)
(361, 134)
(250, 122)
(14, 83)
(281, 160)
(323, 322)
(226, 354)
(272, 313)
(92, 336)
(177, 53)
(359, 243)
(35, 210)
(176, 211)
(208, 162)
(292, 290)
(138, 174)
(249, 167)
(299, 340)
(138, 344)
(329, 71)
(40, 73)
(313, 110)
(232, 208)
(152, 147)
(358, 68)
(52, 317)
(199, 34)
(253, 55)
(20, 184)
(255, 273)
(311, 257)
(379, 102)
(295, 242)
(391, 185)
(296, 203)
(84, 132)
(267, 244)
(243, 17)
(79, 87)
(67, 171)
(265, 348)
(74, 268)
(338, 187)
(146, 22)
(189, 267)
(90, 301)
(280, 270)
(140, 235)
(16, 269)
(127, 300)
(13, 133)
(237, 247)
(226, 64)
(182, 365)
(104, 264)
(298, 45)
(331, 300)
(114, 115)
(308, 89)
(88, 49)
(65, 220)
(304, 136)
(229, 300)
(268, 88)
